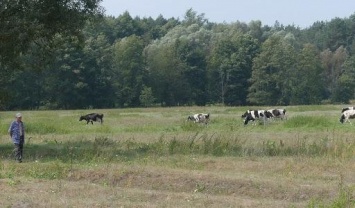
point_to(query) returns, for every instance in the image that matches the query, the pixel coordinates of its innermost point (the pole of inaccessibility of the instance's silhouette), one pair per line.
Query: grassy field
(153, 157)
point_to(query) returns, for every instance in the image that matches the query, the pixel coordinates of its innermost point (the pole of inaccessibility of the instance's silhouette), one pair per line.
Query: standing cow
(347, 115)
(92, 117)
(199, 118)
(253, 115)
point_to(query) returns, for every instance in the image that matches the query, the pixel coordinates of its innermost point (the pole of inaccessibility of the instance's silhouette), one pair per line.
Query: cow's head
(342, 118)
(248, 118)
(245, 114)
(81, 118)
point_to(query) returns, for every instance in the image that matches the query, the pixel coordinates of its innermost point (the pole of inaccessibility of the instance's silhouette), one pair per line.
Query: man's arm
(10, 129)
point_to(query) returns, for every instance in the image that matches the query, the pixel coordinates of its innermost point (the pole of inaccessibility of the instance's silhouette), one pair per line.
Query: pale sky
(302, 13)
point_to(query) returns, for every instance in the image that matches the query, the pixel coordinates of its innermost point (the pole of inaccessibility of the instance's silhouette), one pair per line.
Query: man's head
(18, 116)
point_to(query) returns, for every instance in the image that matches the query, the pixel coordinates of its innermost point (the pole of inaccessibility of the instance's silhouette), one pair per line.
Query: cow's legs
(253, 122)
(348, 120)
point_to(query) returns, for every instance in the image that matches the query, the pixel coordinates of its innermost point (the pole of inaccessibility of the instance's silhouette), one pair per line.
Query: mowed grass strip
(153, 157)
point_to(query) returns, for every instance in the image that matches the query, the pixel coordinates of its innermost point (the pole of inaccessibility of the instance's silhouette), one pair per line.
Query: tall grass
(104, 149)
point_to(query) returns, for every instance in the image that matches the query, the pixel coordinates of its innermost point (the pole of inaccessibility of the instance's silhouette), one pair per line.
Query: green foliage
(48, 62)
(146, 98)
(333, 68)
(25, 22)
(166, 71)
(344, 90)
(128, 70)
(231, 67)
(307, 87)
(271, 76)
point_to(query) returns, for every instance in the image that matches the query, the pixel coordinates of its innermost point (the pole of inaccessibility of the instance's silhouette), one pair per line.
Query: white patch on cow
(347, 115)
(347, 108)
(200, 118)
(278, 113)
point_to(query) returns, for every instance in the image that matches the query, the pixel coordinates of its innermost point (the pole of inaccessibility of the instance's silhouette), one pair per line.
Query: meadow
(153, 157)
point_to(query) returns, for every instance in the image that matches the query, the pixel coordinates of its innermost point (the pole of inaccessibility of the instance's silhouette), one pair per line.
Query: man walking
(17, 134)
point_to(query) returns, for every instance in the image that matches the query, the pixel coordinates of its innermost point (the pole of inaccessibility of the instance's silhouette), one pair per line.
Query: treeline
(129, 61)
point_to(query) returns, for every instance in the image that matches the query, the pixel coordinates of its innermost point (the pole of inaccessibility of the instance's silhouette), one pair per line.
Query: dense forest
(77, 57)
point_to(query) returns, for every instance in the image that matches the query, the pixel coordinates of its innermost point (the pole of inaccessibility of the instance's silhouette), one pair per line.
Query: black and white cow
(199, 118)
(347, 115)
(92, 117)
(253, 115)
(278, 113)
(347, 108)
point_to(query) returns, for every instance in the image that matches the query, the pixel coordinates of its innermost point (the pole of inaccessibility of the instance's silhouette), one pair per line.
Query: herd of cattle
(250, 115)
(267, 115)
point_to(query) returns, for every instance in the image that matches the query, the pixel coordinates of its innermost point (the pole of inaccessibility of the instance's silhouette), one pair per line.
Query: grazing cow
(347, 115)
(347, 108)
(278, 113)
(92, 117)
(252, 115)
(199, 118)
